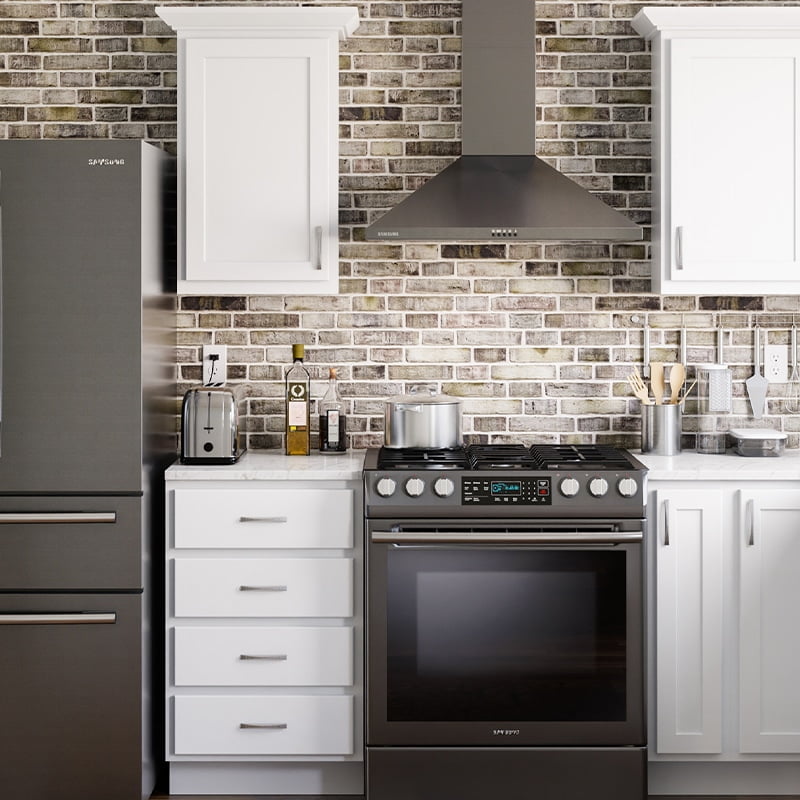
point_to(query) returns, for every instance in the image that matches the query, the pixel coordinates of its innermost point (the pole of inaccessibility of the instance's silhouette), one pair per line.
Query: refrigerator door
(71, 317)
(70, 544)
(72, 696)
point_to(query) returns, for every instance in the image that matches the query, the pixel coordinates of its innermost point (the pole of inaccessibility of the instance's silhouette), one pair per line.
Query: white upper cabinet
(258, 147)
(726, 105)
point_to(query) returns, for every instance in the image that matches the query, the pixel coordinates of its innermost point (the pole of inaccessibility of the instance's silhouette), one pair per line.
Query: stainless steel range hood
(498, 188)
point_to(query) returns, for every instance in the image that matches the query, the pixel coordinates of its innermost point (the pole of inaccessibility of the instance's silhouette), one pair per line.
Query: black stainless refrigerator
(86, 427)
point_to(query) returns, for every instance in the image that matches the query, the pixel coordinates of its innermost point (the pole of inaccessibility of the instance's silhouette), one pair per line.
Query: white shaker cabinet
(264, 628)
(724, 636)
(726, 106)
(258, 147)
(769, 621)
(688, 643)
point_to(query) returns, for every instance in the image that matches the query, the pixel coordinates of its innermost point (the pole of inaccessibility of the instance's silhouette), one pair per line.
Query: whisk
(793, 392)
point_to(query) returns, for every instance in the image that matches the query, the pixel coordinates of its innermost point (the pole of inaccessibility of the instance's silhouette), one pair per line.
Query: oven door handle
(539, 537)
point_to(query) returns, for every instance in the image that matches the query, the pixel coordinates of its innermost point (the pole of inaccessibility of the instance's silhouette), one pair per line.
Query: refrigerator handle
(55, 517)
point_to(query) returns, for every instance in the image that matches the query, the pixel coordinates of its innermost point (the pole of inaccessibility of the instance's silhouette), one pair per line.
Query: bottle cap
(298, 351)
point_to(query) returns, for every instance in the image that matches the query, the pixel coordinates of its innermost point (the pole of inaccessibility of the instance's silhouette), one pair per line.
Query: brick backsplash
(536, 339)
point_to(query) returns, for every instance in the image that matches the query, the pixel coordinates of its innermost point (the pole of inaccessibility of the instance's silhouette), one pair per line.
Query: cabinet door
(260, 154)
(733, 160)
(769, 689)
(689, 537)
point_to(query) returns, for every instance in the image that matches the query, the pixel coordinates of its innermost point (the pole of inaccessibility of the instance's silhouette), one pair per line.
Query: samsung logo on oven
(106, 162)
(505, 732)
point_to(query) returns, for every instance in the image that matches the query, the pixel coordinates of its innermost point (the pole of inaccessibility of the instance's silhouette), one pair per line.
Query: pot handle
(415, 407)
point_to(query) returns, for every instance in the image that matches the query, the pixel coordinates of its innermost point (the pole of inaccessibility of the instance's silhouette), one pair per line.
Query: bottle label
(298, 405)
(333, 428)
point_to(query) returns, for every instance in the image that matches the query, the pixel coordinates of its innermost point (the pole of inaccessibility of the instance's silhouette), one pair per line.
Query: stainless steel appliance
(87, 423)
(505, 616)
(211, 427)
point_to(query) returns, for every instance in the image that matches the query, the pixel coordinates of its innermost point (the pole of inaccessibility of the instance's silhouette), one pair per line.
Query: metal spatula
(757, 384)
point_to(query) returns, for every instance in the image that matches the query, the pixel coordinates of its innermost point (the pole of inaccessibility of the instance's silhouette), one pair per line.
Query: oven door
(505, 635)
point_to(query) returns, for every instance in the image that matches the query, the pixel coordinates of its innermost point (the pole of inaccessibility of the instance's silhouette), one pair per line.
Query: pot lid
(424, 395)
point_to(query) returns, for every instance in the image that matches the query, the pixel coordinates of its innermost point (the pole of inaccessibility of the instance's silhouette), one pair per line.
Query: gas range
(505, 480)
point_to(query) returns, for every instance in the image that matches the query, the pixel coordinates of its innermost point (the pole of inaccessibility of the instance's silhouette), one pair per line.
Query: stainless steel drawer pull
(278, 588)
(58, 619)
(277, 726)
(318, 237)
(263, 519)
(752, 529)
(666, 523)
(277, 657)
(38, 517)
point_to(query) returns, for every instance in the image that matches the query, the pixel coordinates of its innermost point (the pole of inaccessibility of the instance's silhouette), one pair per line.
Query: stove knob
(414, 487)
(627, 487)
(385, 487)
(598, 487)
(444, 487)
(569, 487)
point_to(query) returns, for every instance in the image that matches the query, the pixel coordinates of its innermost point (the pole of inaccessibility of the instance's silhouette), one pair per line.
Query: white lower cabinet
(724, 631)
(264, 637)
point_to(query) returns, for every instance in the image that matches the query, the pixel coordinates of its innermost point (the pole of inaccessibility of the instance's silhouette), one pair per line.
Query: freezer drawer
(78, 542)
(70, 670)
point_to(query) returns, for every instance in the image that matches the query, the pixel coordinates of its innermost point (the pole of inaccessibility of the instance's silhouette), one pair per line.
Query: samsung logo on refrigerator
(106, 162)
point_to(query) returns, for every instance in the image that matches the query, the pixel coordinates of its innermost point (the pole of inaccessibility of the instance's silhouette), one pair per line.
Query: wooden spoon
(657, 381)
(677, 377)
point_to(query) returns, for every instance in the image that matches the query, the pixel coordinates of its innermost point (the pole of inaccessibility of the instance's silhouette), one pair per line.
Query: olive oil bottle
(298, 405)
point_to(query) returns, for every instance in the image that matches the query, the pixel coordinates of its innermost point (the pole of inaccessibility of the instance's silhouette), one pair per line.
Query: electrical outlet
(215, 364)
(776, 366)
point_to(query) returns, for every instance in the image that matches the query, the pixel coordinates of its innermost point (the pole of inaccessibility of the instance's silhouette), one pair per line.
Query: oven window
(487, 634)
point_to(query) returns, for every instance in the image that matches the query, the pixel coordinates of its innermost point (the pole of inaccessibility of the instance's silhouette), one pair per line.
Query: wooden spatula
(677, 376)
(657, 381)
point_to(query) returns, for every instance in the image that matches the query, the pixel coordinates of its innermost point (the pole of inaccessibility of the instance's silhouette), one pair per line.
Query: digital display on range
(507, 491)
(505, 488)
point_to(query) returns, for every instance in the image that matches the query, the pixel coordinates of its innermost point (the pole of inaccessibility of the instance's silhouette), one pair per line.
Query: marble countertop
(261, 465)
(690, 465)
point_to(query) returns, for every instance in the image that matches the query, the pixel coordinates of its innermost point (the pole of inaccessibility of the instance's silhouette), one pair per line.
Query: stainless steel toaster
(211, 425)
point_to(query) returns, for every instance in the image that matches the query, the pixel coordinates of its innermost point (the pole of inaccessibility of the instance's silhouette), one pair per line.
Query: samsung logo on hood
(498, 188)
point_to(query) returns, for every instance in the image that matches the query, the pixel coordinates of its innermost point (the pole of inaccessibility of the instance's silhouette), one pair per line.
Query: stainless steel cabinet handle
(276, 657)
(263, 519)
(38, 517)
(58, 619)
(278, 588)
(318, 237)
(680, 247)
(263, 725)
(666, 523)
(751, 512)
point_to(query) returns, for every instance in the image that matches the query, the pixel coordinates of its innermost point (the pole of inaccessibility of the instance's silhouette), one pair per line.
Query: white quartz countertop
(259, 465)
(690, 465)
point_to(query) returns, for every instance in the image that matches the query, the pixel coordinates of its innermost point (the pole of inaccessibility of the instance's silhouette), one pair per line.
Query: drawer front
(263, 656)
(258, 725)
(288, 518)
(263, 587)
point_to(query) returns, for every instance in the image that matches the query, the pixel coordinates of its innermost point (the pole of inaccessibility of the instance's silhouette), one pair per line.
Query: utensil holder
(661, 429)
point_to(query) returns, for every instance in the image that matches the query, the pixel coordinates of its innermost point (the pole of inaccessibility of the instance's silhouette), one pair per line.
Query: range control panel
(506, 491)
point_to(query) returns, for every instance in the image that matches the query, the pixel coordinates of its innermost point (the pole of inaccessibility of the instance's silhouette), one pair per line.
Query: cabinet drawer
(263, 656)
(258, 725)
(263, 587)
(288, 518)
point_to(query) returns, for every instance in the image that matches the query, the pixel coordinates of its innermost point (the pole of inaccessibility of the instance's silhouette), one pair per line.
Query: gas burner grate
(422, 458)
(570, 456)
(500, 456)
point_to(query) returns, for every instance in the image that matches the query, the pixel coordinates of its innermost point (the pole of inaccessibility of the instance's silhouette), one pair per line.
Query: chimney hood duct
(498, 188)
